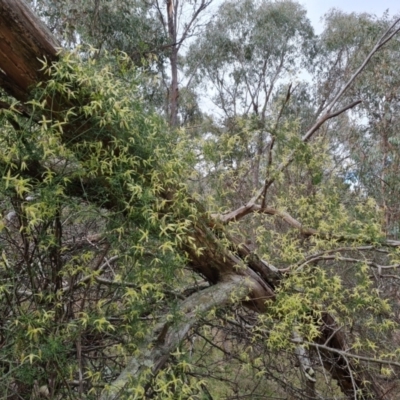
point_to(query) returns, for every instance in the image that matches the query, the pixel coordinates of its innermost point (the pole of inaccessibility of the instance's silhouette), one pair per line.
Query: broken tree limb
(168, 336)
(24, 42)
(241, 212)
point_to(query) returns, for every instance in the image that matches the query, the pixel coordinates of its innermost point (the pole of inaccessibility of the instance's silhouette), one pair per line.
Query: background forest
(200, 200)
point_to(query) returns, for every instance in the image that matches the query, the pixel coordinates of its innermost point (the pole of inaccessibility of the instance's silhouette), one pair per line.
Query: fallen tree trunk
(24, 41)
(168, 336)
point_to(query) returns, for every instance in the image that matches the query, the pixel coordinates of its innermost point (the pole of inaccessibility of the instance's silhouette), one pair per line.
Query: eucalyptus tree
(247, 64)
(109, 263)
(130, 26)
(249, 48)
(152, 33)
(124, 25)
(180, 20)
(370, 138)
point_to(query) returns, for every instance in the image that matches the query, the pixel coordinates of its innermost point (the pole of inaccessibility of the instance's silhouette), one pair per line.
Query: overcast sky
(317, 8)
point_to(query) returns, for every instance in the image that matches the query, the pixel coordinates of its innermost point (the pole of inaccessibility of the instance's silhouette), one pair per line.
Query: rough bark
(24, 41)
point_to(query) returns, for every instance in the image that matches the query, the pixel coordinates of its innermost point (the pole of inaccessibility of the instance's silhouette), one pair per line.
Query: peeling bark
(304, 359)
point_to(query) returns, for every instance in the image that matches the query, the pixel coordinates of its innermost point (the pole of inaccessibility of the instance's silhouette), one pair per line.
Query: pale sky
(317, 8)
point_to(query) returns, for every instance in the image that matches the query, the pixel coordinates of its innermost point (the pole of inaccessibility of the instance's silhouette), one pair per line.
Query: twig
(352, 355)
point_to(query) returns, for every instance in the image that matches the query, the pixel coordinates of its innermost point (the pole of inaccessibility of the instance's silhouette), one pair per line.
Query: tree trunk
(173, 89)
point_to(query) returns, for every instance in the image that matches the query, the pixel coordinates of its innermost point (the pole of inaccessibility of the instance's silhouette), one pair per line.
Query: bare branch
(346, 354)
(204, 4)
(348, 259)
(385, 37)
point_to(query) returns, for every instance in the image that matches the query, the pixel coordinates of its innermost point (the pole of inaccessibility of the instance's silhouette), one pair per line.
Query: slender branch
(242, 211)
(22, 109)
(249, 207)
(385, 37)
(305, 138)
(332, 335)
(345, 108)
(98, 270)
(348, 259)
(135, 286)
(186, 31)
(381, 42)
(160, 16)
(271, 146)
(346, 354)
(390, 276)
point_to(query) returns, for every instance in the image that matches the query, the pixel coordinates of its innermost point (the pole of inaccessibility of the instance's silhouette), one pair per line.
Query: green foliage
(104, 236)
(98, 200)
(371, 138)
(241, 65)
(126, 25)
